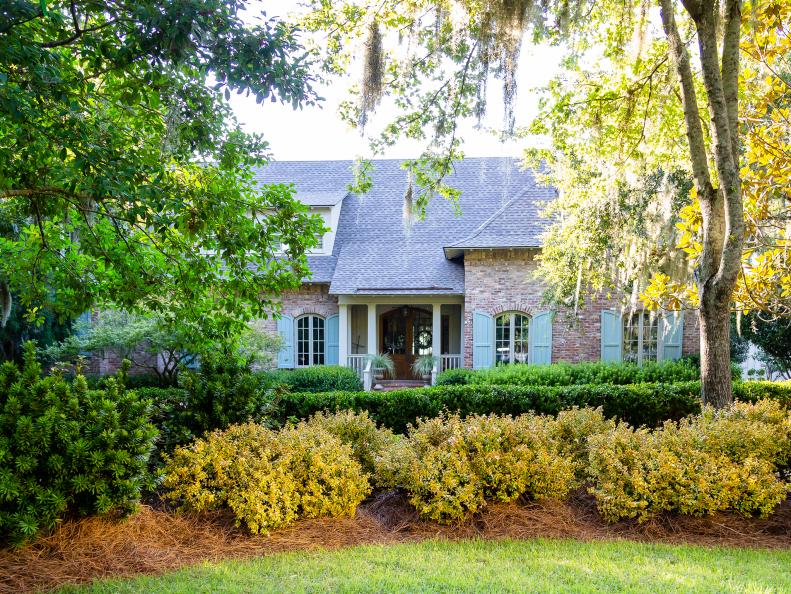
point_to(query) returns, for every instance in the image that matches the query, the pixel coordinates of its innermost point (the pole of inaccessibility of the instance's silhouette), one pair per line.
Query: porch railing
(368, 376)
(357, 362)
(449, 362)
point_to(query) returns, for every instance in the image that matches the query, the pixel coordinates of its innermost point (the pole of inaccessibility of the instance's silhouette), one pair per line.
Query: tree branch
(730, 70)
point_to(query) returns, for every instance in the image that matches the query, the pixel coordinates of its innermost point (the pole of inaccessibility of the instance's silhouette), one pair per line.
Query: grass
(483, 566)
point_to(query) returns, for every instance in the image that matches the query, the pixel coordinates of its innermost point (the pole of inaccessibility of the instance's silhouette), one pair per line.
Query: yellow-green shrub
(267, 478)
(359, 431)
(330, 482)
(452, 466)
(573, 428)
(437, 471)
(724, 460)
(761, 430)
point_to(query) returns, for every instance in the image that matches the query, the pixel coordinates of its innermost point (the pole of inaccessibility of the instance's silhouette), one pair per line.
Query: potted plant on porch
(381, 364)
(423, 366)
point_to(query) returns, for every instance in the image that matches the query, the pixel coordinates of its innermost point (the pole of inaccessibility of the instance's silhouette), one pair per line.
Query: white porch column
(462, 330)
(373, 342)
(436, 330)
(343, 334)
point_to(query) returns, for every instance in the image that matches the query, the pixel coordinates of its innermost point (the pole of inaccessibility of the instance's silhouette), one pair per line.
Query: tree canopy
(646, 136)
(124, 178)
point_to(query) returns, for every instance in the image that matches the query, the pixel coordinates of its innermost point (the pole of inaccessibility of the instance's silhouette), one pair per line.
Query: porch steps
(390, 385)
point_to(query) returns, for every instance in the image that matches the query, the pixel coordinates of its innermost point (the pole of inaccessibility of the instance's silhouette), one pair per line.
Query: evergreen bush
(66, 450)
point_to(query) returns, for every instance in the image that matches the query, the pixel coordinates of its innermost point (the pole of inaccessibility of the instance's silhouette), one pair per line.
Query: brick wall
(109, 362)
(309, 299)
(503, 280)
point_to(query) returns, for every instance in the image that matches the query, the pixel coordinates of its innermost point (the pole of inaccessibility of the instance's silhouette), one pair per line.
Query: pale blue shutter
(482, 340)
(611, 329)
(285, 327)
(331, 345)
(672, 330)
(541, 338)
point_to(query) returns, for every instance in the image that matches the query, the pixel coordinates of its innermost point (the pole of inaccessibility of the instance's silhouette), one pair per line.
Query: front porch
(403, 327)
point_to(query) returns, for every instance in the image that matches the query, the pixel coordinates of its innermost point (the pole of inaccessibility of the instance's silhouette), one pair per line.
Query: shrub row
(451, 466)
(716, 461)
(65, 449)
(569, 374)
(637, 404)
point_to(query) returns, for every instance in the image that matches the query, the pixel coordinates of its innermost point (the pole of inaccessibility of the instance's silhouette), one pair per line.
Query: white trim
(512, 334)
(401, 299)
(640, 335)
(343, 334)
(436, 329)
(373, 339)
(311, 341)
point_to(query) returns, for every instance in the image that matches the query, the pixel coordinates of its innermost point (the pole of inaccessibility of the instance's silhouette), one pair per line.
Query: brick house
(458, 283)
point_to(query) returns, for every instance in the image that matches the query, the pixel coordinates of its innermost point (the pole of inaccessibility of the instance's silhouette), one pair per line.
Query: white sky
(318, 132)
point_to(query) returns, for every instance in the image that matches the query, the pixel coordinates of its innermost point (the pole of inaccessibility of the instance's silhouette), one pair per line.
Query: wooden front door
(405, 333)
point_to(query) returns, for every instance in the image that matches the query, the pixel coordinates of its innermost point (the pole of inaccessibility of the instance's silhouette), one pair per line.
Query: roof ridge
(389, 159)
(497, 213)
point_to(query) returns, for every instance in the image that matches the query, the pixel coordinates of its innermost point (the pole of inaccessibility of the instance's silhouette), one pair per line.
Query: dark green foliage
(313, 379)
(67, 450)
(640, 404)
(569, 374)
(754, 391)
(170, 414)
(124, 176)
(637, 404)
(18, 329)
(222, 392)
(456, 377)
(132, 382)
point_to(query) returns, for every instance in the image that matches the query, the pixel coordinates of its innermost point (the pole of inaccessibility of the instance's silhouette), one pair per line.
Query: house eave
(454, 251)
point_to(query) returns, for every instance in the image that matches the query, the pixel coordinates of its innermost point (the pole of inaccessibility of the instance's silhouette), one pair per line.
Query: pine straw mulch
(154, 541)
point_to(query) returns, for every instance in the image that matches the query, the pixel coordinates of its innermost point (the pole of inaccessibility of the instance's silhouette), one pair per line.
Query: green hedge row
(637, 404)
(570, 374)
(323, 378)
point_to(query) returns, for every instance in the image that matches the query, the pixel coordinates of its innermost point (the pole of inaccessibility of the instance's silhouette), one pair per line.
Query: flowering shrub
(716, 461)
(267, 478)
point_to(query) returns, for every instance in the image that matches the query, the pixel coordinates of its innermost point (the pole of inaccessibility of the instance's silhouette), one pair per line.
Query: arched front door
(405, 333)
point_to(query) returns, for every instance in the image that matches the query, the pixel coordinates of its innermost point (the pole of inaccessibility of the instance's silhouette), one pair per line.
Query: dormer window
(320, 245)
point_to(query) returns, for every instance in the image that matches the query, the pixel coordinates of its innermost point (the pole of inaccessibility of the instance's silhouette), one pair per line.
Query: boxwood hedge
(569, 374)
(637, 404)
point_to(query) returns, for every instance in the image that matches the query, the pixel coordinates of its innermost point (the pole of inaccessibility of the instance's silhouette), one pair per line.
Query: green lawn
(484, 566)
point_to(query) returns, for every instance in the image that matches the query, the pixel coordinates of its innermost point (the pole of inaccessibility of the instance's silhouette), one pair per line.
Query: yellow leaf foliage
(716, 461)
(765, 281)
(268, 478)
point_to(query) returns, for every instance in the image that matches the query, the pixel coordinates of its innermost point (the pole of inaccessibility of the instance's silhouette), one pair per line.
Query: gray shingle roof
(377, 252)
(322, 198)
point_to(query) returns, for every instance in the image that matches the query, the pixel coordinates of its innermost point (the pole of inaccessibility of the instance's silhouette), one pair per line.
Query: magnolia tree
(124, 178)
(645, 124)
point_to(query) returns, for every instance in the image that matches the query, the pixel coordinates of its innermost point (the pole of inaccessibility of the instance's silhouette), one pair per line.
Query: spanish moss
(373, 72)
